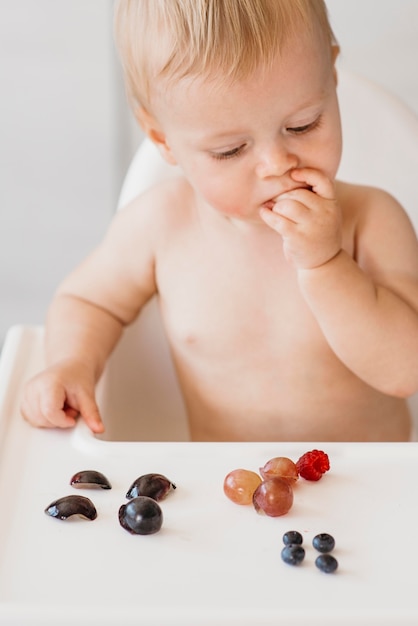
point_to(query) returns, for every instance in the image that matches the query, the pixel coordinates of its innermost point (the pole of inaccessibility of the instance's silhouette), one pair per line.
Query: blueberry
(326, 563)
(323, 542)
(292, 536)
(293, 554)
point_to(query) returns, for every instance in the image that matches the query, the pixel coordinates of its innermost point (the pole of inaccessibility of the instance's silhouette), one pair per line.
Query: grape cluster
(271, 492)
(142, 515)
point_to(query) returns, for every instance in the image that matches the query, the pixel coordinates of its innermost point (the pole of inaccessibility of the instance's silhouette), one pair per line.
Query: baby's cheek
(223, 200)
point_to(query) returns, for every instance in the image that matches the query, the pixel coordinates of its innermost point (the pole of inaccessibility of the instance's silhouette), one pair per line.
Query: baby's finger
(70, 411)
(53, 413)
(319, 183)
(282, 225)
(89, 411)
(40, 412)
(32, 414)
(290, 207)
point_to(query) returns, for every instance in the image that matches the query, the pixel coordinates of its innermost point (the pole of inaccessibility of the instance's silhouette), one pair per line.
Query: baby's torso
(252, 361)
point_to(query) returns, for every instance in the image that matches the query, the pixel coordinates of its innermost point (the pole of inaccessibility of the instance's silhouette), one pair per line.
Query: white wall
(379, 39)
(60, 148)
(66, 136)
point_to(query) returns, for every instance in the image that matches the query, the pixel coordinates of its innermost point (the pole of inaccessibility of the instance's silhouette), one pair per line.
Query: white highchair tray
(213, 562)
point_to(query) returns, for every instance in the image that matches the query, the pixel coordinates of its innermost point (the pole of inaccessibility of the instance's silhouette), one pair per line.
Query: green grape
(273, 496)
(280, 467)
(240, 484)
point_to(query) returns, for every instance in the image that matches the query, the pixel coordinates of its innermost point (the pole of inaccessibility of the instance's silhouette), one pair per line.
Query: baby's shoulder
(167, 202)
(350, 194)
(151, 219)
(361, 203)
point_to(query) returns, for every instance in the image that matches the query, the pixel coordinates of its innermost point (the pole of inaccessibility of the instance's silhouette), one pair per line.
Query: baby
(290, 299)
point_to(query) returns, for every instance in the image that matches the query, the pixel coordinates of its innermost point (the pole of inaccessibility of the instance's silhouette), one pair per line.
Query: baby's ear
(152, 129)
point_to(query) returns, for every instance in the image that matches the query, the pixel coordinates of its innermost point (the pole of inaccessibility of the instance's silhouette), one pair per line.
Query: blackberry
(293, 554)
(323, 542)
(292, 536)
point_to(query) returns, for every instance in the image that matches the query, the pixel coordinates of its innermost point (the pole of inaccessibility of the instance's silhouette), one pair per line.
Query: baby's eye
(300, 130)
(229, 154)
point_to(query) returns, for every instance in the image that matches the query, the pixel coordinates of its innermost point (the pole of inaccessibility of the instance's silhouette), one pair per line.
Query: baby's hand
(59, 394)
(309, 220)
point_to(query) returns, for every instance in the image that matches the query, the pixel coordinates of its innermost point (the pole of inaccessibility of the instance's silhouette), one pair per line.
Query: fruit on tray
(240, 484)
(326, 563)
(65, 507)
(293, 554)
(292, 536)
(323, 542)
(273, 496)
(141, 516)
(312, 465)
(244, 486)
(90, 479)
(280, 467)
(155, 486)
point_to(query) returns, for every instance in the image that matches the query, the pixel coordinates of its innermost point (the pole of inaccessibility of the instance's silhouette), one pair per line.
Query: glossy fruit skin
(292, 537)
(155, 486)
(312, 465)
(90, 479)
(323, 542)
(141, 516)
(65, 507)
(274, 497)
(240, 484)
(293, 554)
(280, 467)
(326, 563)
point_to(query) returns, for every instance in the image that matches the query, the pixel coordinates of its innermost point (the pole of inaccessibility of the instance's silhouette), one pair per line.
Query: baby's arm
(85, 321)
(367, 308)
(79, 337)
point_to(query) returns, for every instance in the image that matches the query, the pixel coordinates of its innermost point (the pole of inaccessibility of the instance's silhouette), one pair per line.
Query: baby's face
(237, 144)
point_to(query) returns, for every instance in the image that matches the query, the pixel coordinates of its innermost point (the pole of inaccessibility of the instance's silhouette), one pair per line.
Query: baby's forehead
(164, 42)
(229, 63)
(218, 81)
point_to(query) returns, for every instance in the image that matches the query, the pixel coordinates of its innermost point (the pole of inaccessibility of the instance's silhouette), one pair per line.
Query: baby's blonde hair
(173, 39)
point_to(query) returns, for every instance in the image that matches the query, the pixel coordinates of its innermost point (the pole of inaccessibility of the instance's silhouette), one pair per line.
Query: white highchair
(138, 394)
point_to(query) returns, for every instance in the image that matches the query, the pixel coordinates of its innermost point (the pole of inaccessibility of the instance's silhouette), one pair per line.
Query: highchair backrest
(380, 148)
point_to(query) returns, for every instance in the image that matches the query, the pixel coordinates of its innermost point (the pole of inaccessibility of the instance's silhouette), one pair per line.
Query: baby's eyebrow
(222, 135)
(218, 141)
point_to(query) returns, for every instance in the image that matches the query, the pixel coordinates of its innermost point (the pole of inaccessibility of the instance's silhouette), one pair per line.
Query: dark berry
(292, 536)
(141, 516)
(323, 542)
(293, 554)
(155, 486)
(326, 563)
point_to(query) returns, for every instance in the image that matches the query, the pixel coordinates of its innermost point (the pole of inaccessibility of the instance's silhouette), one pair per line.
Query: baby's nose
(275, 160)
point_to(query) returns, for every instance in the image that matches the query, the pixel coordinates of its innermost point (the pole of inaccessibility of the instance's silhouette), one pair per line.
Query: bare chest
(235, 299)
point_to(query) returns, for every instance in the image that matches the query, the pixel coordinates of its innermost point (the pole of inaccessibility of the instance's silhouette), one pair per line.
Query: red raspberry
(313, 464)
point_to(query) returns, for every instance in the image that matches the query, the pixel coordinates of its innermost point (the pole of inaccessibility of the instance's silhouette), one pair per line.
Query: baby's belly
(266, 373)
(325, 405)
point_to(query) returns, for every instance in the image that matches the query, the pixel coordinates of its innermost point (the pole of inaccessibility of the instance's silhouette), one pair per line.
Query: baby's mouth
(269, 204)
